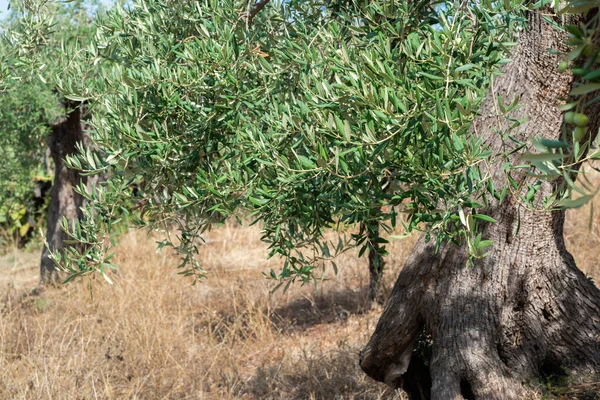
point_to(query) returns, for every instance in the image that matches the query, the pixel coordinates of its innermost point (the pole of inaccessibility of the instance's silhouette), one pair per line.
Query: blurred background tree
(40, 125)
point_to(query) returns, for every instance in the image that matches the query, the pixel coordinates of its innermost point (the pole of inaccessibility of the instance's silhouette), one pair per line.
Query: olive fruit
(570, 117)
(579, 133)
(581, 119)
(562, 67)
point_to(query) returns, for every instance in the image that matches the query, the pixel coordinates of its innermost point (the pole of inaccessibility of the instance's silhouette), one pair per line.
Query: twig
(258, 6)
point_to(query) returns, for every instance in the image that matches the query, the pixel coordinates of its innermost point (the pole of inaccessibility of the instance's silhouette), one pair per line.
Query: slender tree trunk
(525, 309)
(376, 265)
(64, 202)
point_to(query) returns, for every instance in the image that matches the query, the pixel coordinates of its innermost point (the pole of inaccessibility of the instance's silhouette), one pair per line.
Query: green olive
(579, 133)
(570, 117)
(562, 67)
(581, 119)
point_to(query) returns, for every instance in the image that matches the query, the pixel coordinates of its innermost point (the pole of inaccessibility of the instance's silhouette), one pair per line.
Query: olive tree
(313, 115)
(525, 310)
(42, 40)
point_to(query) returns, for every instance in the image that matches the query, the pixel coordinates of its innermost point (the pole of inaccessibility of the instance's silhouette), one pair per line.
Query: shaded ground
(153, 335)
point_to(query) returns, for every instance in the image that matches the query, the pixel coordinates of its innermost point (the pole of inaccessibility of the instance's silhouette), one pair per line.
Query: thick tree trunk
(523, 310)
(64, 202)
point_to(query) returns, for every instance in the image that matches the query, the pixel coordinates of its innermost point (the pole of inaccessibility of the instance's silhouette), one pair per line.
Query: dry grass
(152, 335)
(582, 230)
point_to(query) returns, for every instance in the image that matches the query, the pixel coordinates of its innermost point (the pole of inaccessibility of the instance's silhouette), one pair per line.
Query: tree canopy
(309, 116)
(303, 115)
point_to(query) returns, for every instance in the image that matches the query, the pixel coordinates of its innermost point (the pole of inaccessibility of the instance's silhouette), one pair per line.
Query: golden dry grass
(152, 335)
(582, 230)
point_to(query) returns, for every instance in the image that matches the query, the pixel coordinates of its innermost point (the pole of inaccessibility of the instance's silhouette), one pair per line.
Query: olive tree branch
(258, 6)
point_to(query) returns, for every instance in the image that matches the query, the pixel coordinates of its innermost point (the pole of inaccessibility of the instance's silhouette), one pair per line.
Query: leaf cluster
(313, 116)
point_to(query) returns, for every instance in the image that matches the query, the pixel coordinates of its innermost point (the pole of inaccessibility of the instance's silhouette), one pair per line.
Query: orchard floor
(151, 335)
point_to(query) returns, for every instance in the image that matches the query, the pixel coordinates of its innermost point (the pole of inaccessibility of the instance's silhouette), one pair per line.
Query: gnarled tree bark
(524, 309)
(64, 201)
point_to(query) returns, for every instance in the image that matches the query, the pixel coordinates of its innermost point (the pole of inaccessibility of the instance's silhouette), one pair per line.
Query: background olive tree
(44, 49)
(24, 111)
